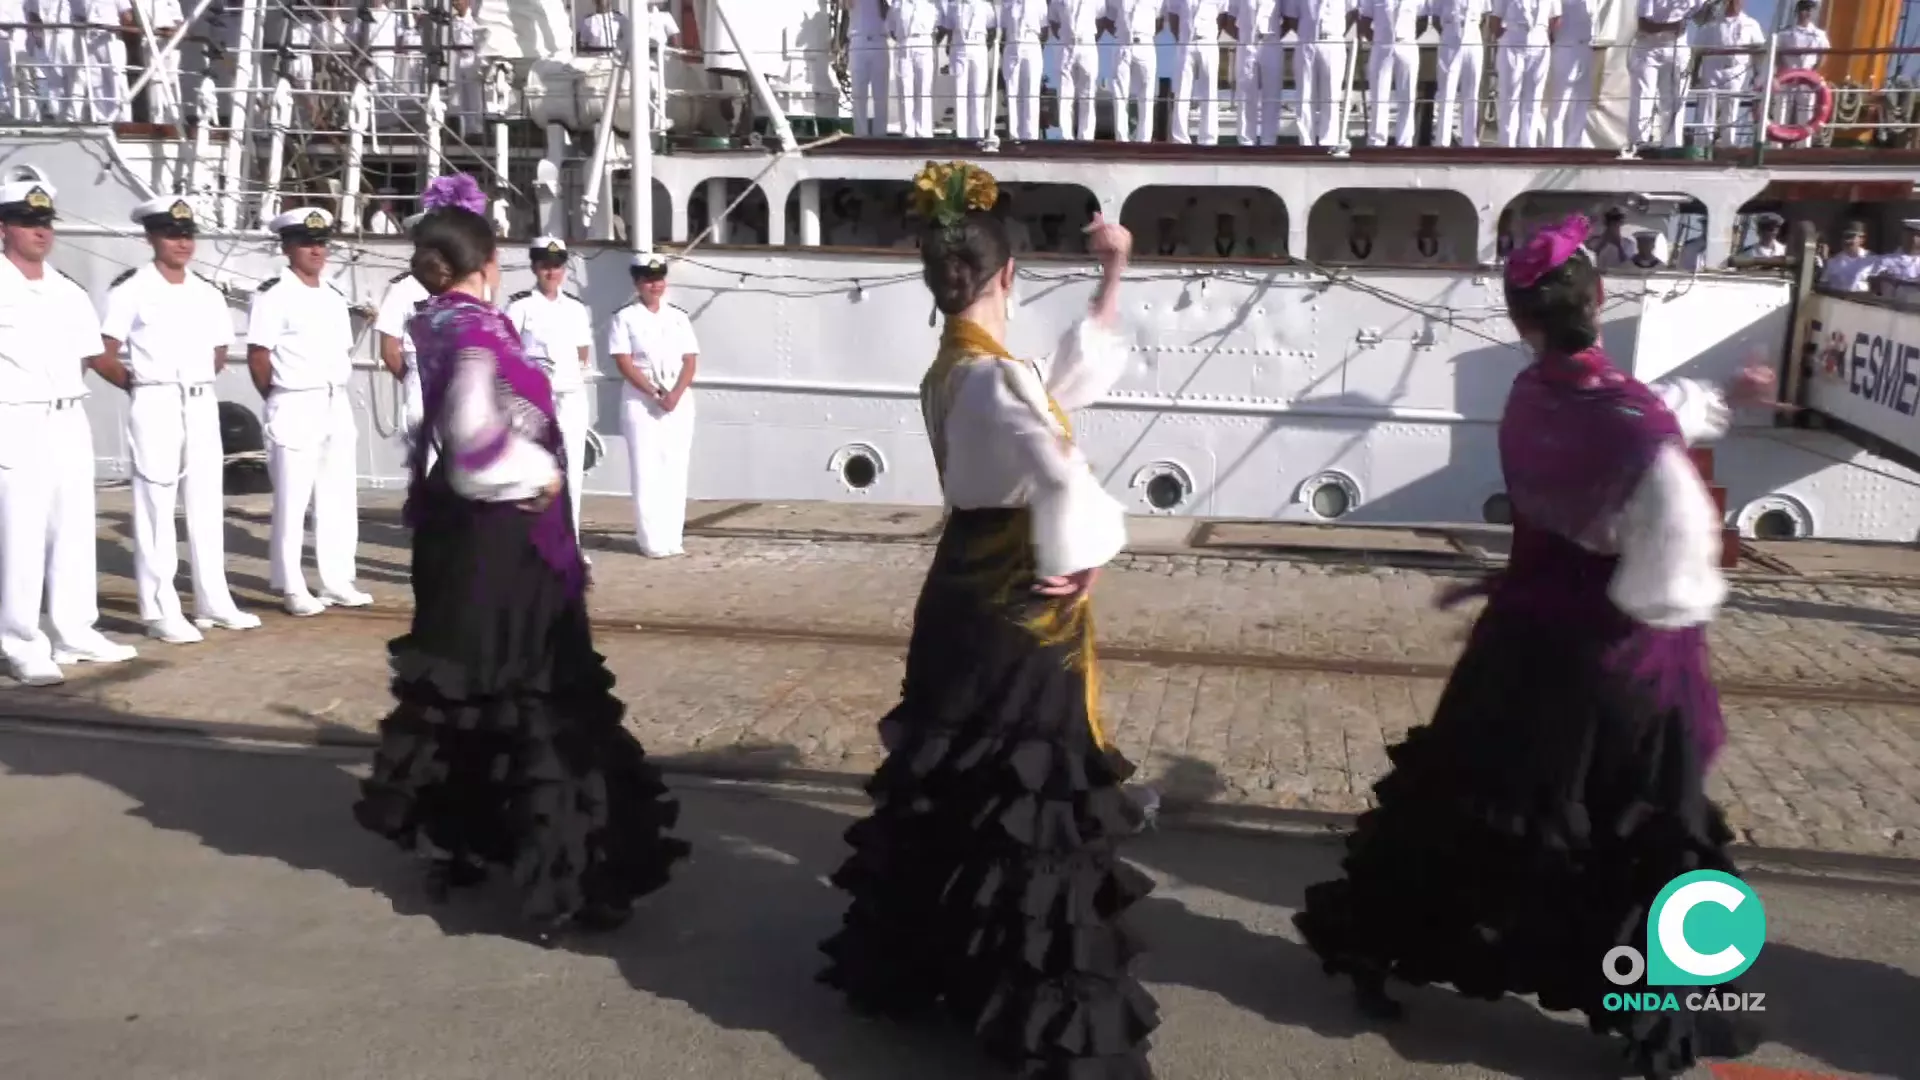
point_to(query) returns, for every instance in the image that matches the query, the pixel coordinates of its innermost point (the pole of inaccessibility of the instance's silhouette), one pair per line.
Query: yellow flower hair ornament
(944, 193)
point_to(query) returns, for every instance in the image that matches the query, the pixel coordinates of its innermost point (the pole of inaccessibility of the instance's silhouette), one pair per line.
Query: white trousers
(310, 455)
(1026, 66)
(413, 410)
(1325, 66)
(1135, 82)
(1659, 71)
(1079, 89)
(1569, 95)
(100, 81)
(659, 452)
(19, 77)
(1523, 77)
(1391, 68)
(972, 68)
(570, 410)
(869, 64)
(1273, 81)
(1196, 83)
(174, 435)
(47, 530)
(916, 88)
(163, 90)
(1793, 106)
(1722, 96)
(1461, 76)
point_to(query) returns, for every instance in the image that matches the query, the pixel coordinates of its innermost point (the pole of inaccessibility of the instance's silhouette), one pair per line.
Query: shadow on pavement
(734, 935)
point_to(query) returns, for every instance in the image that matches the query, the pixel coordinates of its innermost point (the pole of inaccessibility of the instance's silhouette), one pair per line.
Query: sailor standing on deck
(1320, 66)
(868, 66)
(1196, 77)
(913, 23)
(1659, 69)
(967, 23)
(1023, 36)
(556, 330)
(652, 343)
(1524, 30)
(1801, 47)
(1570, 75)
(1076, 26)
(100, 82)
(1850, 269)
(163, 17)
(299, 346)
(397, 354)
(174, 328)
(1462, 51)
(48, 337)
(1253, 94)
(1906, 265)
(1394, 27)
(1725, 78)
(1136, 75)
(1769, 245)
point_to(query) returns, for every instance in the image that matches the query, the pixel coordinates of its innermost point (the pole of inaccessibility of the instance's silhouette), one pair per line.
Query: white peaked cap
(176, 207)
(306, 218)
(28, 191)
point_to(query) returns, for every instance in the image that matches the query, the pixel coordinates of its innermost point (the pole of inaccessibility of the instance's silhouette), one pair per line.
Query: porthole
(1497, 510)
(1330, 495)
(1775, 517)
(1165, 486)
(858, 466)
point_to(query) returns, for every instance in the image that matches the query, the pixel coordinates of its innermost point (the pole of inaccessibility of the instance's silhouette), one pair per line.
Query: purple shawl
(442, 328)
(1576, 439)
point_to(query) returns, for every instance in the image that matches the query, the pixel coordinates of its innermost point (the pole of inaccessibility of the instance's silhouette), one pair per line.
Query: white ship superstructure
(1318, 330)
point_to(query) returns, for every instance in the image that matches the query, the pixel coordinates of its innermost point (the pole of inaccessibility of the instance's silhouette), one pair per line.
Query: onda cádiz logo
(1704, 929)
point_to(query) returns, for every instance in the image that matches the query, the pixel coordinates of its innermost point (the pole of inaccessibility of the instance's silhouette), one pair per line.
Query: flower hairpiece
(944, 193)
(1549, 248)
(458, 190)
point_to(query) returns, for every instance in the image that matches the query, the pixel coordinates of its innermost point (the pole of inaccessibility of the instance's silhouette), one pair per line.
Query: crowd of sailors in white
(1544, 70)
(162, 336)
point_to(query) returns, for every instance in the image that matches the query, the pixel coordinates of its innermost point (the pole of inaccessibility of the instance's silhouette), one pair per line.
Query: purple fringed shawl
(1577, 437)
(442, 328)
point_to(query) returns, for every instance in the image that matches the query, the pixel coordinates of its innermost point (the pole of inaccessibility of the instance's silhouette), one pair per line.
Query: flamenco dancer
(1527, 829)
(505, 748)
(985, 880)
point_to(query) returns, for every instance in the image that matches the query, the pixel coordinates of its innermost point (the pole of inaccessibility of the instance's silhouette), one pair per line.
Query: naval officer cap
(168, 215)
(307, 225)
(648, 266)
(548, 250)
(27, 202)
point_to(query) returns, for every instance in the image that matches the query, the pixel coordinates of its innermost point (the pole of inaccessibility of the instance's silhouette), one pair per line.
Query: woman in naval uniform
(505, 748)
(300, 354)
(48, 336)
(1525, 832)
(985, 880)
(652, 343)
(556, 330)
(175, 329)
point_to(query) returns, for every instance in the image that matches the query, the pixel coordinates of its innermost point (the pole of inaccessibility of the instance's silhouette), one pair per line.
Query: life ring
(1822, 104)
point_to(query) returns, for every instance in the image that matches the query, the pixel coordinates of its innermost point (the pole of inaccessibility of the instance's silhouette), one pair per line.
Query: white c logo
(1673, 922)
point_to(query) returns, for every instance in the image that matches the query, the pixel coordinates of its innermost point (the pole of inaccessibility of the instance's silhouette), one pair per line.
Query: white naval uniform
(1525, 50)
(869, 67)
(971, 61)
(310, 432)
(404, 295)
(1462, 53)
(1904, 267)
(1799, 48)
(1570, 77)
(1023, 30)
(1273, 67)
(1658, 65)
(169, 333)
(1393, 62)
(1076, 22)
(1849, 273)
(1253, 93)
(1320, 69)
(20, 67)
(553, 332)
(1136, 69)
(163, 90)
(48, 332)
(1761, 249)
(912, 24)
(659, 443)
(383, 46)
(1725, 78)
(100, 74)
(602, 31)
(1196, 76)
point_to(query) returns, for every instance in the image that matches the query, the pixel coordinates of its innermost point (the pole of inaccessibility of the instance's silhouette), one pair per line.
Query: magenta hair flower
(1548, 248)
(458, 190)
